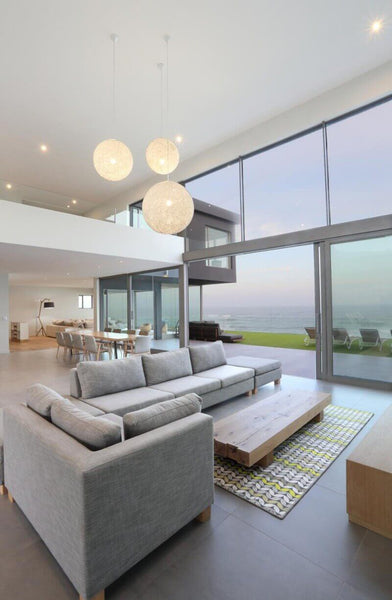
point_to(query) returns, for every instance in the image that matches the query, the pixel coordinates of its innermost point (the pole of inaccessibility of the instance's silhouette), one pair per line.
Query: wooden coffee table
(250, 436)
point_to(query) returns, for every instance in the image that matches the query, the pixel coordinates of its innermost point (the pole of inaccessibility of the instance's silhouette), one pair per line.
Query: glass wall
(114, 302)
(284, 188)
(360, 173)
(216, 237)
(195, 292)
(217, 195)
(143, 308)
(362, 308)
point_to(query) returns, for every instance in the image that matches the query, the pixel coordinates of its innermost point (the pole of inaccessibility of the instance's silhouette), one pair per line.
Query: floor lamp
(45, 303)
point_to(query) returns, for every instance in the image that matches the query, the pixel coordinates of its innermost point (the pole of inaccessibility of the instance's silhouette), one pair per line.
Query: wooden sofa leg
(3, 490)
(99, 596)
(204, 516)
(255, 391)
(11, 498)
(249, 393)
(277, 381)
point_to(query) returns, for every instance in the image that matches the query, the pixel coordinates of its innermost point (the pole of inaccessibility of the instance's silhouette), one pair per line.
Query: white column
(96, 300)
(4, 314)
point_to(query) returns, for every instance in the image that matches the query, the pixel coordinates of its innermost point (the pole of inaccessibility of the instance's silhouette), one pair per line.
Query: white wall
(4, 314)
(356, 93)
(24, 304)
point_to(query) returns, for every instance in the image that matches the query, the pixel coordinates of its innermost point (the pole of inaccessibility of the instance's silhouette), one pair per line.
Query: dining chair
(141, 345)
(60, 342)
(92, 347)
(67, 344)
(108, 329)
(77, 345)
(116, 330)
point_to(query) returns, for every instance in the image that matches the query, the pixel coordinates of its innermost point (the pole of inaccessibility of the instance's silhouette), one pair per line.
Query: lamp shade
(168, 207)
(112, 160)
(49, 304)
(162, 156)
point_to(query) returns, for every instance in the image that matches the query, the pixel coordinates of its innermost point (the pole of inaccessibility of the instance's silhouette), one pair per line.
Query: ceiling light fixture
(113, 159)
(179, 139)
(74, 201)
(376, 26)
(68, 206)
(8, 186)
(43, 148)
(162, 154)
(167, 206)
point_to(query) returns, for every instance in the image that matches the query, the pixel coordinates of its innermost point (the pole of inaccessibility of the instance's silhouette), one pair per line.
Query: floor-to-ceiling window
(114, 302)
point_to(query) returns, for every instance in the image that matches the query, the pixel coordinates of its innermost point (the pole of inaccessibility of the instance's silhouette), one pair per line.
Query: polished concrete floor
(243, 553)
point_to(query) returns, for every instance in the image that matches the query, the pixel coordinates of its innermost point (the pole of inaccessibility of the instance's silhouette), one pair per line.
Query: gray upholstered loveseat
(131, 384)
(100, 512)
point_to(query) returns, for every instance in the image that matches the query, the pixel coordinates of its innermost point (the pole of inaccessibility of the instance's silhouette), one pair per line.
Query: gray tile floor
(243, 553)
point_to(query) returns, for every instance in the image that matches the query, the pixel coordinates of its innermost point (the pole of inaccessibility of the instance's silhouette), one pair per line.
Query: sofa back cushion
(146, 419)
(108, 377)
(207, 356)
(40, 399)
(95, 433)
(164, 366)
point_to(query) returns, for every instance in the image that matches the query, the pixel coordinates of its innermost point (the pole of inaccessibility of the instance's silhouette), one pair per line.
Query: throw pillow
(95, 433)
(40, 399)
(152, 417)
(207, 356)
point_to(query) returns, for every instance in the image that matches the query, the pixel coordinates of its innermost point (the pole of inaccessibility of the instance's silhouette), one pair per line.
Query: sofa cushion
(187, 385)
(166, 365)
(260, 365)
(40, 399)
(108, 377)
(124, 402)
(228, 375)
(93, 432)
(207, 356)
(141, 421)
(91, 410)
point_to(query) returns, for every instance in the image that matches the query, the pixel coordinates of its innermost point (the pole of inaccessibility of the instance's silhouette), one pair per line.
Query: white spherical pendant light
(162, 156)
(168, 207)
(113, 160)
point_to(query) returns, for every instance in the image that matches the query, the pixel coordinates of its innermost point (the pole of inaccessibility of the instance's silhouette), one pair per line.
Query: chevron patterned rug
(298, 464)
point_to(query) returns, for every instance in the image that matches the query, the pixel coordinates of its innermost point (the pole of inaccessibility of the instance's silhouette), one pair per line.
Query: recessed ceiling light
(43, 148)
(376, 26)
(68, 273)
(179, 139)
(68, 206)
(74, 201)
(8, 186)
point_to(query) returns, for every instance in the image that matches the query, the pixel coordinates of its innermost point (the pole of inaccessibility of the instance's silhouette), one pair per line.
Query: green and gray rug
(298, 464)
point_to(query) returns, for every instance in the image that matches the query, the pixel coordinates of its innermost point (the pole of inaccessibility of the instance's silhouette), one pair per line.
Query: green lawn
(296, 342)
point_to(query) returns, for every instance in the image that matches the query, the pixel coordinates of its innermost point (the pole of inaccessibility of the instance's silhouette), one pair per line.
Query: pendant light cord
(167, 38)
(114, 37)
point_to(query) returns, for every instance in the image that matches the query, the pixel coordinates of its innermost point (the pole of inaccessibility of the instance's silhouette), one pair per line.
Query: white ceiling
(233, 64)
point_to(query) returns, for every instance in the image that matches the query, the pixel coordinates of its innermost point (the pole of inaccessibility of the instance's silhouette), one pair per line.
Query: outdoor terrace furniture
(342, 337)
(370, 338)
(142, 380)
(208, 331)
(101, 511)
(310, 335)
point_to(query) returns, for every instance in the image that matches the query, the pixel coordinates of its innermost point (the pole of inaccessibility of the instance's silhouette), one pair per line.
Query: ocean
(293, 319)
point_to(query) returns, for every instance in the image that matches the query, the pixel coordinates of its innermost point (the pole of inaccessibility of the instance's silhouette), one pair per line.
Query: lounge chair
(310, 335)
(370, 338)
(342, 337)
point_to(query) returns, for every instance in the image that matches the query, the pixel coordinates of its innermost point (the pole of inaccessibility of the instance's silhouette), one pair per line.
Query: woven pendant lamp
(168, 207)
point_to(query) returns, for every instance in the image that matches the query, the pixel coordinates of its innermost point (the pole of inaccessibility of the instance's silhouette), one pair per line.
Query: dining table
(113, 338)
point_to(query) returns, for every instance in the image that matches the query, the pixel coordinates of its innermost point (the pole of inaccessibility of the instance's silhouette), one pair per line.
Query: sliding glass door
(356, 310)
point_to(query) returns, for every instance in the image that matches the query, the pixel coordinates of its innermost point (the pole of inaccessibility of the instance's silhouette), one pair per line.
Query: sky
(284, 191)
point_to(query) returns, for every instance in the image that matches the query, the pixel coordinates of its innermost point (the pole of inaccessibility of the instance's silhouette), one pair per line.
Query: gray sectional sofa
(125, 385)
(108, 475)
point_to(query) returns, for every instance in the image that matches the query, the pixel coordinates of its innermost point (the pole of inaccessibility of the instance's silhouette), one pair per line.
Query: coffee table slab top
(251, 434)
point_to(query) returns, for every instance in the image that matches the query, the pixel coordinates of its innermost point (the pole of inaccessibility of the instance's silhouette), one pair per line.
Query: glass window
(217, 201)
(121, 218)
(194, 302)
(284, 188)
(136, 218)
(360, 174)
(85, 301)
(217, 237)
